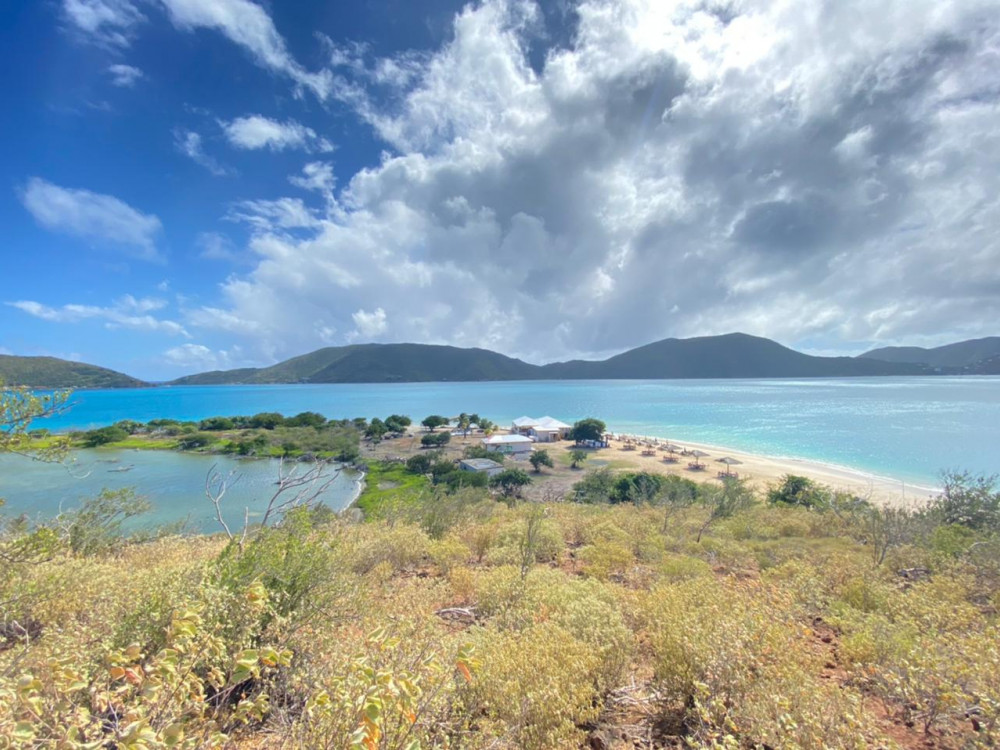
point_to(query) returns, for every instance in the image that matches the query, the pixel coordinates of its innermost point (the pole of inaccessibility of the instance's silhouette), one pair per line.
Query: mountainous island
(51, 372)
(733, 355)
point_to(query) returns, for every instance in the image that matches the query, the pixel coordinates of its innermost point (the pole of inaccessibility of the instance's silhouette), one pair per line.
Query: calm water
(906, 428)
(173, 482)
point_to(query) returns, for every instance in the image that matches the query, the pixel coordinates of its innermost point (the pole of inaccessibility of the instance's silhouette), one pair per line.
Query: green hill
(50, 372)
(734, 355)
(378, 363)
(978, 356)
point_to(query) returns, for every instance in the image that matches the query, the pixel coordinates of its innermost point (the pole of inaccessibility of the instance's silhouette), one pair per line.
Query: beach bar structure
(542, 430)
(517, 446)
(480, 465)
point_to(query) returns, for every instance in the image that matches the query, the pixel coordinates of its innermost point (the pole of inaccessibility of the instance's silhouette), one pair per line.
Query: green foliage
(96, 527)
(216, 424)
(266, 420)
(595, 487)
(388, 485)
(577, 457)
(588, 429)
(969, 501)
(19, 407)
(435, 439)
(509, 482)
(397, 422)
(434, 421)
(540, 458)
(458, 478)
(420, 463)
(195, 441)
(481, 451)
(726, 501)
(796, 490)
(102, 436)
(376, 430)
(637, 487)
(306, 419)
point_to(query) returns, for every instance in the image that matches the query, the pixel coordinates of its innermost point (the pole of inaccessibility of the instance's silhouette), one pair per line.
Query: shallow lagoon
(173, 482)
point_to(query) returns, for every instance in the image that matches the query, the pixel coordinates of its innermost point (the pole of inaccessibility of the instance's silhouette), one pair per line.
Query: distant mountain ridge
(51, 372)
(975, 356)
(735, 355)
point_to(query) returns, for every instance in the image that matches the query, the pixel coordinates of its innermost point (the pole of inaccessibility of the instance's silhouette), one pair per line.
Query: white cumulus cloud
(190, 144)
(108, 23)
(256, 132)
(128, 312)
(670, 169)
(124, 76)
(248, 25)
(92, 216)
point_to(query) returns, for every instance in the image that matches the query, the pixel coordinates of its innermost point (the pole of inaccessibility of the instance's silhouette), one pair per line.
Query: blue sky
(200, 184)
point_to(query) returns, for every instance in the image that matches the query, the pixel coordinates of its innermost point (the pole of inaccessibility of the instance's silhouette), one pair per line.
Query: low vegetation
(630, 613)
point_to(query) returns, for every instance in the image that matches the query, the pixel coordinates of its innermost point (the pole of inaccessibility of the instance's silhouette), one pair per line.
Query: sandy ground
(760, 471)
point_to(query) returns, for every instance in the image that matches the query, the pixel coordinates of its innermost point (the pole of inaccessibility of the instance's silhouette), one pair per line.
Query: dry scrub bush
(401, 546)
(393, 692)
(448, 554)
(587, 609)
(188, 693)
(532, 690)
(546, 543)
(732, 661)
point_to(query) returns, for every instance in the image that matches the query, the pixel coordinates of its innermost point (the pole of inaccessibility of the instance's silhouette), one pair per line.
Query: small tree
(588, 429)
(376, 430)
(509, 482)
(595, 487)
(463, 423)
(726, 501)
(434, 421)
(539, 459)
(420, 463)
(267, 420)
(19, 407)
(802, 491)
(103, 436)
(577, 457)
(195, 441)
(306, 419)
(438, 440)
(973, 502)
(675, 494)
(397, 422)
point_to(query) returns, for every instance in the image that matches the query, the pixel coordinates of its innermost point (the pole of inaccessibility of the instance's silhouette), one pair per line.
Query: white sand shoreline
(764, 469)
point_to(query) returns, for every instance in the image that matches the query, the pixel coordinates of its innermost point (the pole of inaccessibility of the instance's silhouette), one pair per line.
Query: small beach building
(480, 465)
(518, 446)
(543, 430)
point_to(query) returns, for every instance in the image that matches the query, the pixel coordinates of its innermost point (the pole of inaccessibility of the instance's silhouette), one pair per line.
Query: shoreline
(762, 470)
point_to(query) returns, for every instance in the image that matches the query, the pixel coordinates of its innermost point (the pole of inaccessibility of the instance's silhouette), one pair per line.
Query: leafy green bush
(103, 436)
(435, 439)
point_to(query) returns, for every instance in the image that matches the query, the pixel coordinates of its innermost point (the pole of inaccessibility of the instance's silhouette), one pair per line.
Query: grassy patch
(386, 485)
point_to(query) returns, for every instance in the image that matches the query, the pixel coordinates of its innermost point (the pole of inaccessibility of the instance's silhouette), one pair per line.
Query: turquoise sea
(903, 428)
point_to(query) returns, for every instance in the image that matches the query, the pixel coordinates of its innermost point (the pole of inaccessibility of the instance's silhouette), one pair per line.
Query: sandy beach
(761, 471)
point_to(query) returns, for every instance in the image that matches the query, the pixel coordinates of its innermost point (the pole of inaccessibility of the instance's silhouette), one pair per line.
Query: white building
(518, 446)
(543, 430)
(483, 465)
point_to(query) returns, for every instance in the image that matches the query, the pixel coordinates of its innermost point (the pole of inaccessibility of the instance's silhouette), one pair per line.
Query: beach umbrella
(698, 454)
(729, 461)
